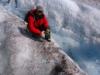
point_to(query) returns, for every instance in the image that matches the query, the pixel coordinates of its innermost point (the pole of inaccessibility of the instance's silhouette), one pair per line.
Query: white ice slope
(75, 27)
(21, 54)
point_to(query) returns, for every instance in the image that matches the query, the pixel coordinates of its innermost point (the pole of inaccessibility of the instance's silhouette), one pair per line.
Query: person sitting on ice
(38, 23)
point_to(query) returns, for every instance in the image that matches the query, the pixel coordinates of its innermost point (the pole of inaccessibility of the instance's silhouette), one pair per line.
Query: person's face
(39, 12)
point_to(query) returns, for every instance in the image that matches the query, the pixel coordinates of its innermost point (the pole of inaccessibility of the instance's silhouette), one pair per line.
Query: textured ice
(75, 27)
(21, 54)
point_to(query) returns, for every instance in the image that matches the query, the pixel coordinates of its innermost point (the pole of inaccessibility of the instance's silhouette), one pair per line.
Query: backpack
(26, 16)
(26, 20)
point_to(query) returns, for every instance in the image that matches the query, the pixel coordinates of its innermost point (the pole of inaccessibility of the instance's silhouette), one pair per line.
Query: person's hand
(43, 34)
(26, 23)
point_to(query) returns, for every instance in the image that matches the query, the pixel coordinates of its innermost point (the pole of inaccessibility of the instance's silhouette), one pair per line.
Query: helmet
(39, 8)
(39, 11)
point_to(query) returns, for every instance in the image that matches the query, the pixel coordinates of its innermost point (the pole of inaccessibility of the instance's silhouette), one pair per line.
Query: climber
(37, 23)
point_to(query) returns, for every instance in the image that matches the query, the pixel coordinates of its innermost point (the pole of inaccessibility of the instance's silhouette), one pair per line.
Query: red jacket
(34, 25)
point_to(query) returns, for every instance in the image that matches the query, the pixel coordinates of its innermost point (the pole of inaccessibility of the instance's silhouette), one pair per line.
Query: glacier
(75, 28)
(22, 54)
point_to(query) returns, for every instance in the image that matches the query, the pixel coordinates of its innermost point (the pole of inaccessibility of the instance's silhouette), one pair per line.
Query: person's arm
(32, 27)
(46, 24)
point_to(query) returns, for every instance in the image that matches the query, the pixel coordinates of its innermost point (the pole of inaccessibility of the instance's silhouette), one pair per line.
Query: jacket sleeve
(46, 23)
(32, 28)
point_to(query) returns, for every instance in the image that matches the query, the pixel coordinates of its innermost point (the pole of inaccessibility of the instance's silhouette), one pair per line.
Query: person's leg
(42, 28)
(47, 35)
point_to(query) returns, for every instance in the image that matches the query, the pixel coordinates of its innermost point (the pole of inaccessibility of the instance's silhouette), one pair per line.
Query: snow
(75, 28)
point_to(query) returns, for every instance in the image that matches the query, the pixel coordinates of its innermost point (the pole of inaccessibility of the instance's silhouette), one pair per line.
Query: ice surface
(75, 27)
